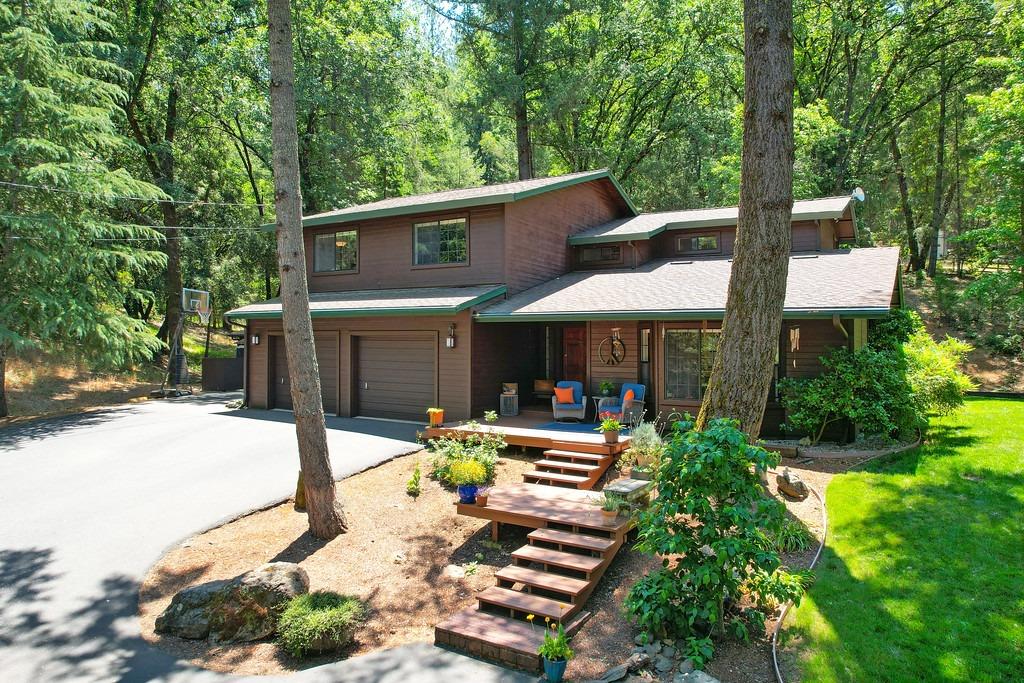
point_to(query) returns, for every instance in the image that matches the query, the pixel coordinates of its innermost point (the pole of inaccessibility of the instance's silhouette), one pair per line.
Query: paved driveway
(89, 502)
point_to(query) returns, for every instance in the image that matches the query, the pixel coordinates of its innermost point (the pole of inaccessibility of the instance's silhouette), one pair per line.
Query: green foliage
(933, 370)
(710, 522)
(315, 618)
(467, 473)
(412, 487)
(645, 448)
(606, 387)
(608, 424)
(451, 449)
(556, 647)
(490, 416)
(611, 502)
(791, 536)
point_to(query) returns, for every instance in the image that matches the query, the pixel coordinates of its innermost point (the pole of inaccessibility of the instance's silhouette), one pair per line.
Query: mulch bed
(400, 556)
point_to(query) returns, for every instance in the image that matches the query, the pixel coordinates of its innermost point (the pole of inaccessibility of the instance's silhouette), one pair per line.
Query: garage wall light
(449, 342)
(255, 340)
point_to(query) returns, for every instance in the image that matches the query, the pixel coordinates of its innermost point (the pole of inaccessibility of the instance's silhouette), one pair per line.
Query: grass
(922, 576)
(314, 620)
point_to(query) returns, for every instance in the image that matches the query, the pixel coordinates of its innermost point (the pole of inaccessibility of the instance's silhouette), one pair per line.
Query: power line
(48, 188)
(142, 225)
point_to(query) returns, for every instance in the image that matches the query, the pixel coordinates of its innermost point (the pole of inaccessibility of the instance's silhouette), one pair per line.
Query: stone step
(545, 580)
(567, 538)
(557, 558)
(555, 477)
(567, 466)
(568, 454)
(521, 604)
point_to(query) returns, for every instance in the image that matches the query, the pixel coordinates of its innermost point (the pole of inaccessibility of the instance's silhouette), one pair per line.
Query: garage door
(396, 377)
(327, 362)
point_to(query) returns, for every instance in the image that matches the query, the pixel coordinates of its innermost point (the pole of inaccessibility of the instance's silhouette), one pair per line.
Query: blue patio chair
(627, 412)
(577, 409)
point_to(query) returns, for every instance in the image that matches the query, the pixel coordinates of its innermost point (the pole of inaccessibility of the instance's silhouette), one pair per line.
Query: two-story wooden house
(437, 299)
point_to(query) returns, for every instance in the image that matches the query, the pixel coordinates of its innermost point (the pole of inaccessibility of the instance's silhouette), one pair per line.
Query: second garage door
(396, 377)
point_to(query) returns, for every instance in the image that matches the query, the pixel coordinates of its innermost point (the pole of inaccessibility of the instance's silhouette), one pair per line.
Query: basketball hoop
(196, 301)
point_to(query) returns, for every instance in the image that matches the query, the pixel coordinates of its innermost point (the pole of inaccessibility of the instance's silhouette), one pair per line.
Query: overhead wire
(190, 202)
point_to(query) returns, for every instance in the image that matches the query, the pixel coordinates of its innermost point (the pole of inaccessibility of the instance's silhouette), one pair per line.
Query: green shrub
(449, 449)
(792, 536)
(467, 473)
(933, 370)
(711, 516)
(412, 487)
(319, 621)
(556, 647)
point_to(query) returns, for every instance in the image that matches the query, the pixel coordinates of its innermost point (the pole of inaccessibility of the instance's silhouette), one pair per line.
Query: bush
(933, 372)
(711, 516)
(319, 622)
(792, 536)
(450, 449)
(645, 448)
(467, 473)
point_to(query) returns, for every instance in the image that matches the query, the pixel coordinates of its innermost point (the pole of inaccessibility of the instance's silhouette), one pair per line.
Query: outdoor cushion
(628, 397)
(564, 395)
(570, 406)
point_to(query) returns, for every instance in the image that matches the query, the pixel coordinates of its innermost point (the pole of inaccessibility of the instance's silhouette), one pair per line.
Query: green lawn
(923, 575)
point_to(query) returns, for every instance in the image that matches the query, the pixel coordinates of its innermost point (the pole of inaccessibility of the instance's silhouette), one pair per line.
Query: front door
(574, 353)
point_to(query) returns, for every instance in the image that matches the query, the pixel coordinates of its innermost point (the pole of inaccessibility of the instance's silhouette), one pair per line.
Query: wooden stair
(570, 466)
(551, 577)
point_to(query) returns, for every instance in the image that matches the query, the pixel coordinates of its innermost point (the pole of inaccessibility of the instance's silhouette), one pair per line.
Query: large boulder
(248, 608)
(791, 485)
(242, 609)
(188, 615)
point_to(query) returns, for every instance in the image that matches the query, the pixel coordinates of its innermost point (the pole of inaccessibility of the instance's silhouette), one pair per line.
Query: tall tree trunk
(938, 214)
(326, 517)
(4, 409)
(524, 148)
(908, 213)
(742, 374)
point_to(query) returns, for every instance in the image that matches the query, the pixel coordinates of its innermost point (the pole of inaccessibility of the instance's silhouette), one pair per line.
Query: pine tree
(64, 259)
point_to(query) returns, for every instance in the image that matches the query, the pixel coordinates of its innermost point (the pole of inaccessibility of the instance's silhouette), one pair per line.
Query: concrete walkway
(89, 502)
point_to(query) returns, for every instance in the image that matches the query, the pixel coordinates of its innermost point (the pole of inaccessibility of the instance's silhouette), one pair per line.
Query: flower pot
(467, 493)
(611, 437)
(554, 669)
(436, 418)
(608, 516)
(481, 498)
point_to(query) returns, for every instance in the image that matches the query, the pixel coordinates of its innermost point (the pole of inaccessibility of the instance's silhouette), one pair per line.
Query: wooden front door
(574, 354)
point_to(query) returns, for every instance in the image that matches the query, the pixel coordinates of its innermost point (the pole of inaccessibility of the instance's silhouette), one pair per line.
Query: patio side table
(597, 401)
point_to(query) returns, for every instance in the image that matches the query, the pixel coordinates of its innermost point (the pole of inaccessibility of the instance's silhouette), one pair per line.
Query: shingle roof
(851, 282)
(410, 301)
(461, 198)
(647, 225)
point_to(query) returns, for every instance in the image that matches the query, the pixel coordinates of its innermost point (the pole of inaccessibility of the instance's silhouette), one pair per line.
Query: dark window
(336, 251)
(440, 242)
(645, 345)
(598, 255)
(697, 244)
(689, 356)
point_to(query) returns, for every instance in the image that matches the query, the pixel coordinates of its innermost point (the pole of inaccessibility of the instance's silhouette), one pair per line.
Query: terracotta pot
(608, 516)
(481, 498)
(611, 437)
(436, 418)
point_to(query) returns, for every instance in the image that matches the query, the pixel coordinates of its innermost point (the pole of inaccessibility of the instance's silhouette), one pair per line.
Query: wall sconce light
(255, 340)
(449, 342)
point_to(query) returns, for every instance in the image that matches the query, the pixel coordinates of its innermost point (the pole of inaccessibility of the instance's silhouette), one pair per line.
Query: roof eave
(703, 314)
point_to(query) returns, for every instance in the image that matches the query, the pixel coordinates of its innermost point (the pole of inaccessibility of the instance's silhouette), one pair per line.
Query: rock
(652, 648)
(638, 661)
(695, 677)
(685, 666)
(792, 485)
(668, 651)
(616, 673)
(248, 607)
(639, 639)
(188, 615)
(454, 571)
(663, 664)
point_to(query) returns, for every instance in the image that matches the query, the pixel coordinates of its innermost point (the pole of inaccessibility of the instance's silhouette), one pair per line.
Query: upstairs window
(689, 356)
(698, 244)
(440, 243)
(336, 252)
(604, 255)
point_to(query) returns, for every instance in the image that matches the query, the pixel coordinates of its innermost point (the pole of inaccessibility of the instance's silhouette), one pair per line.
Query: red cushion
(628, 397)
(563, 394)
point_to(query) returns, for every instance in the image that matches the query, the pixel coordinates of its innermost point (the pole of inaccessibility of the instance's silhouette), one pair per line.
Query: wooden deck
(537, 506)
(520, 434)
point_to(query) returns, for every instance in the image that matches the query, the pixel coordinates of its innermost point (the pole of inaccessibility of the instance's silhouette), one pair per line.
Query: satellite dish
(858, 194)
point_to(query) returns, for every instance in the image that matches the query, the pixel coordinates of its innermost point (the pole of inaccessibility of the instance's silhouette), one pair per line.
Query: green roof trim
(378, 312)
(462, 202)
(578, 316)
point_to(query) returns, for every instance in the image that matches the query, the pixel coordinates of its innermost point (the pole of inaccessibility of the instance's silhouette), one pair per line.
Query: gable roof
(648, 225)
(373, 302)
(854, 282)
(461, 198)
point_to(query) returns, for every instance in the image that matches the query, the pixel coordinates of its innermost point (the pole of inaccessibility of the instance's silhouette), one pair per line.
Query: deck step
(555, 476)
(557, 558)
(571, 466)
(587, 447)
(546, 580)
(524, 603)
(553, 453)
(585, 541)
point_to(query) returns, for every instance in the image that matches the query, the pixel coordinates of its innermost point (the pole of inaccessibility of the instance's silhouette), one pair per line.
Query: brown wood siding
(627, 370)
(453, 371)
(386, 254)
(327, 361)
(805, 236)
(504, 352)
(536, 229)
(816, 338)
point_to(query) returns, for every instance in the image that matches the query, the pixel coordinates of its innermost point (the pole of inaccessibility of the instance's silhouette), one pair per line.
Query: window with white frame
(336, 252)
(440, 242)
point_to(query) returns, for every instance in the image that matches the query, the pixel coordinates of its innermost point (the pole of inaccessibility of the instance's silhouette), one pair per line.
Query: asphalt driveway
(88, 502)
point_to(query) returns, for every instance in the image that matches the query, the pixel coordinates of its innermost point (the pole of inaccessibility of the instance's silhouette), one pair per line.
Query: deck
(529, 432)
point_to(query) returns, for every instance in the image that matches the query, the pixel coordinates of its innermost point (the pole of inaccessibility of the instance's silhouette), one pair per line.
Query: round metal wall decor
(612, 350)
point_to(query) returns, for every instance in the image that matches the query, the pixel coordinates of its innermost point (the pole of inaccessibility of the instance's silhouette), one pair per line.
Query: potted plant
(436, 416)
(610, 427)
(555, 652)
(467, 475)
(606, 388)
(610, 506)
(481, 497)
